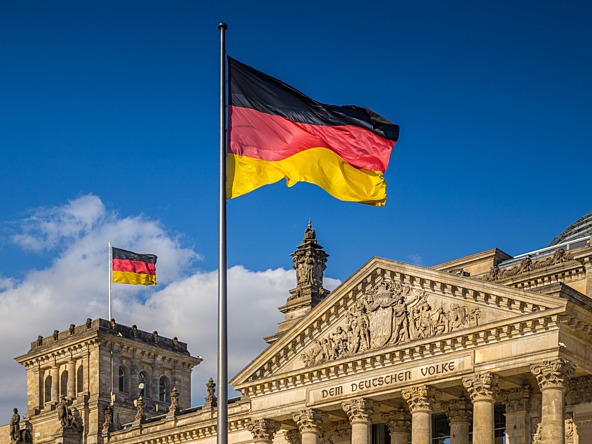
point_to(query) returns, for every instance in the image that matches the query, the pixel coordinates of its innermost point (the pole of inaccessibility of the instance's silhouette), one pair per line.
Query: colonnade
(478, 409)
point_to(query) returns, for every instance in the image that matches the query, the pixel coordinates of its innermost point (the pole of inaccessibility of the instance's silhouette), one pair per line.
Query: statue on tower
(309, 262)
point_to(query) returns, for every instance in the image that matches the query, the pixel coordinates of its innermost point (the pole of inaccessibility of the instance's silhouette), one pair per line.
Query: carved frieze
(309, 420)
(358, 410)
(482, 387)
(553, 374)
(263, 429)
(421, 398)
(527, 265)
(389, 313)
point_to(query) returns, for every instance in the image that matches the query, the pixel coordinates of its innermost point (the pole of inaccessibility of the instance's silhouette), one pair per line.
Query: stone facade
(473, 350)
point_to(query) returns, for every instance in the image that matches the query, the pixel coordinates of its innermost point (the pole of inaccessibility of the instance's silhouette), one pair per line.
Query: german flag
(277, 132)
(133, 268)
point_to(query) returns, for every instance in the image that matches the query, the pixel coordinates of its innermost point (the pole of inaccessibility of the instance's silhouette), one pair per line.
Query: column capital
(553, 373)
(517, 399)
(420, 398)
(397, 421)
(309, 420)
(358, 410)
(458, 410)
(292, 436)
(482, 386)
(263, 429)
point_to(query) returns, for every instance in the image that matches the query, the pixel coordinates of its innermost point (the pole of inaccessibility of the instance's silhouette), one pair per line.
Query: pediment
(390, 308)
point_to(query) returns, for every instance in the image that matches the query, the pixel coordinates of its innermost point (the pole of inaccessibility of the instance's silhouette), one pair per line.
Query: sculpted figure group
(527, 265)
(388, 314)
(68, 418)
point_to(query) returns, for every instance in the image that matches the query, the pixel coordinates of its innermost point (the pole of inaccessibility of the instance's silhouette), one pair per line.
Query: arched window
(47, 394)
(64, 384)
(80, 379)
(122, 378)
(163, 389)
(143, 384)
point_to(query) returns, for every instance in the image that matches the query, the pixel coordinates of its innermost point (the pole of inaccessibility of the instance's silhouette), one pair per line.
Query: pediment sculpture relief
(388, 314)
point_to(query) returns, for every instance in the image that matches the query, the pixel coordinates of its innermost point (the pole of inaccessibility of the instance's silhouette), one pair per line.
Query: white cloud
(75, 287)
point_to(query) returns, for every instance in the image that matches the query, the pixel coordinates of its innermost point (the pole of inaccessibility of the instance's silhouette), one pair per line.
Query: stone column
(71, 379)
(399, 425)
(263, 430)
(460, 413)
(55, 384)
(309, 423)
(552, 377)
(517, 403)
(359, 412)
(482, 388)
(420, 400)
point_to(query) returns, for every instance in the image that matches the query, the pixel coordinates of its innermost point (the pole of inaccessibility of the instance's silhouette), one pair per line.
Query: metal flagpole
(222, 425)
(110, 278)
(110, 313)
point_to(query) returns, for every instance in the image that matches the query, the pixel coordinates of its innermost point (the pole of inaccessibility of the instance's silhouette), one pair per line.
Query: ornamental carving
(459, 410)
(553, 374)
(397, 421)
(420, 398)
(482, 387)
(309, 420)
(579, 390)
(517, 399)
(263, 429)
(358, 410)
(527, 265)
(388, 314)
(292, 436)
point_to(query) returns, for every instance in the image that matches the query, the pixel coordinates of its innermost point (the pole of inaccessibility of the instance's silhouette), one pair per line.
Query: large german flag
(133, 268)
(276, 132)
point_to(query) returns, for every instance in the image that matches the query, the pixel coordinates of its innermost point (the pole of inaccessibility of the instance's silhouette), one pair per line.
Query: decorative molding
(482, 387)
(553, 373)
(579, 390)
(421, 398)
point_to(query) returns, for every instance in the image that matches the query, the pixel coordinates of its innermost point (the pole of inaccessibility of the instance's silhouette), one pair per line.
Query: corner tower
(87, 368)
(309, 262)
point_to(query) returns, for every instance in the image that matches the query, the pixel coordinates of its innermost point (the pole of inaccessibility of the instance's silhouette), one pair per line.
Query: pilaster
(398, 423)
(517, 403)
(460, 414)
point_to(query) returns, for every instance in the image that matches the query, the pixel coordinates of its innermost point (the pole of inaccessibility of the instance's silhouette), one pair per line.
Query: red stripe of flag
(134, 266)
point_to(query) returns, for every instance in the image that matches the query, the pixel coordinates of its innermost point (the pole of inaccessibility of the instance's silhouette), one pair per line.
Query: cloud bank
(75, 287)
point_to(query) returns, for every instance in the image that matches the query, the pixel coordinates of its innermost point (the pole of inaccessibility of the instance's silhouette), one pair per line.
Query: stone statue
(15, 425)
(108, 419)
(72, 329)
(56, 335)
(64, 413)
(39, 341)
(140, 415)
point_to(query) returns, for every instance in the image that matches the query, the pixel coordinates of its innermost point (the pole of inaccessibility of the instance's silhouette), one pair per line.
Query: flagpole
(110, 278)
(222, 425)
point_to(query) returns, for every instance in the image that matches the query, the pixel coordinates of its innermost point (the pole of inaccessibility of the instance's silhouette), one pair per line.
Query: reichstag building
(484, 349)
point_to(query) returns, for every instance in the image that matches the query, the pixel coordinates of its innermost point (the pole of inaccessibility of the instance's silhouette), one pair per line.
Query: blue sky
(109, 131)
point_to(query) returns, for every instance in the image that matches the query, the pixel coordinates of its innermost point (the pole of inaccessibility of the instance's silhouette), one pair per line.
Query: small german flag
(133, 268)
